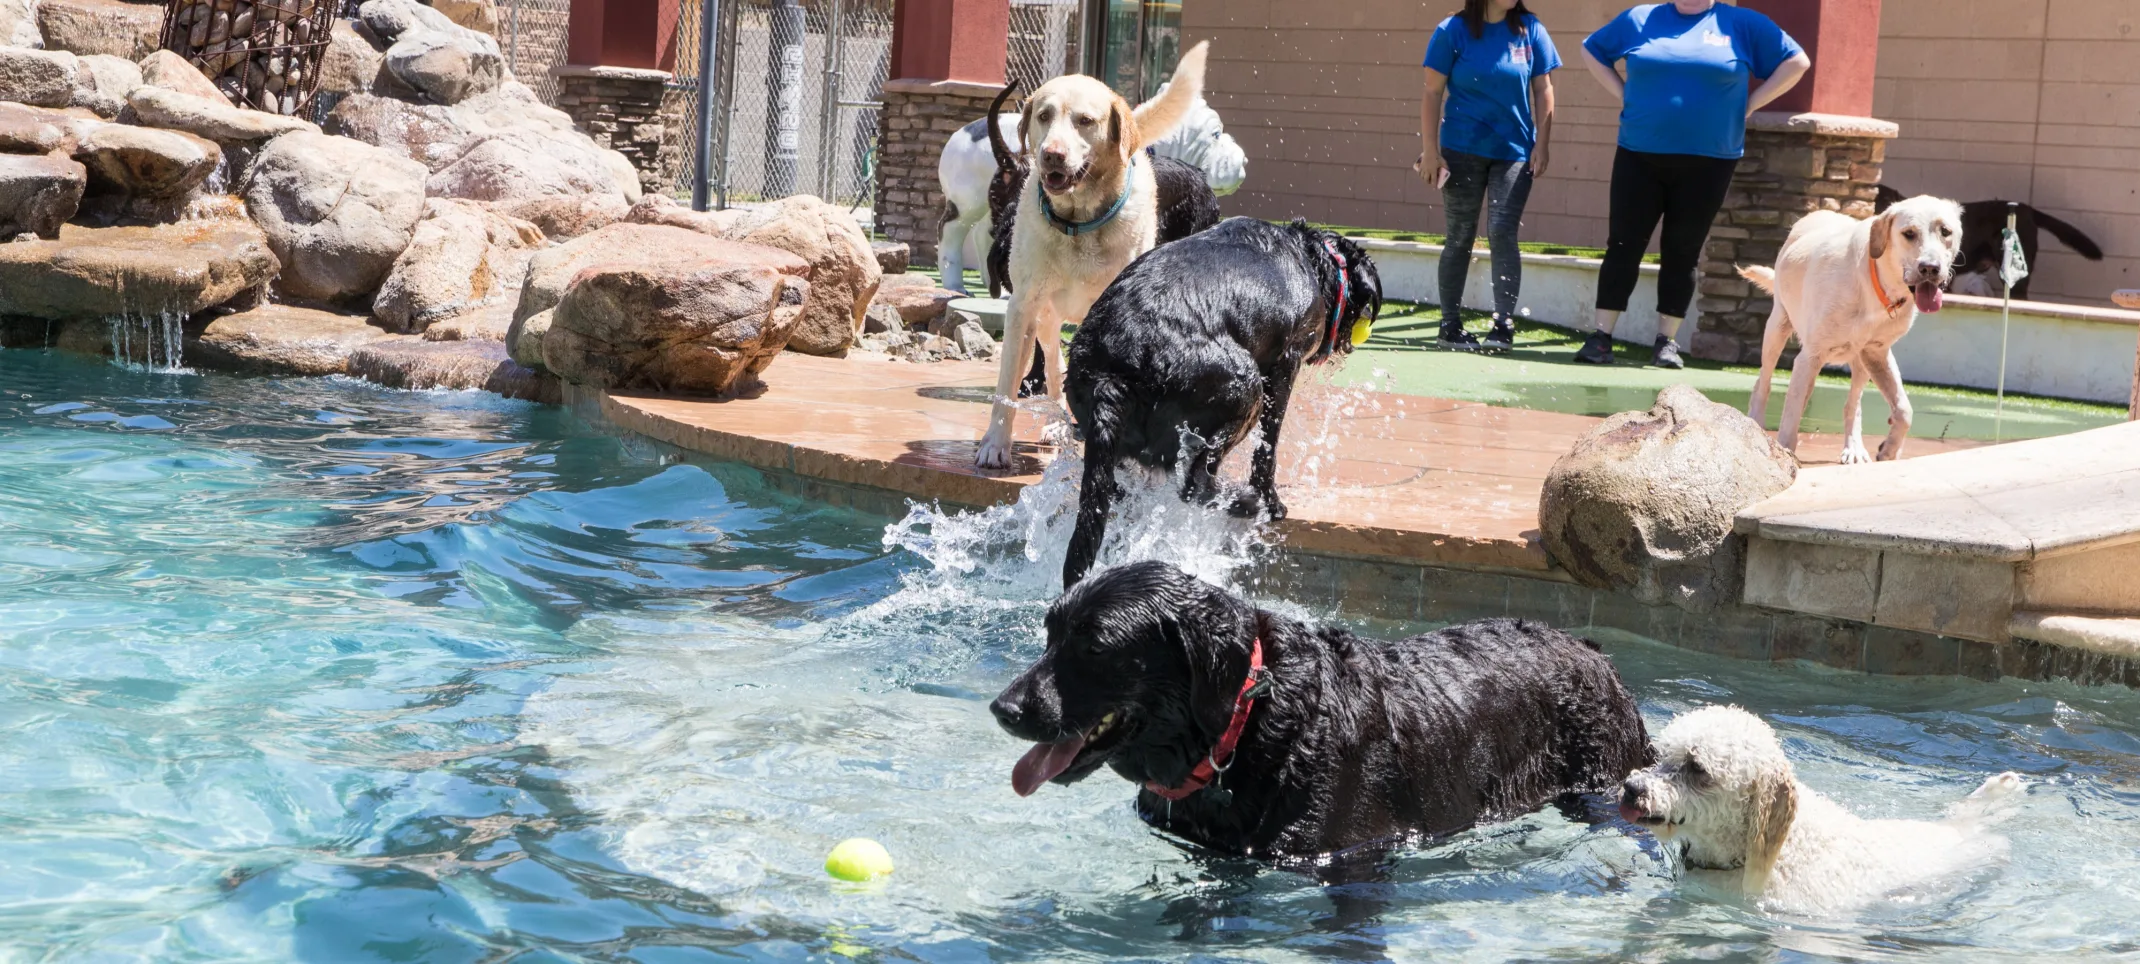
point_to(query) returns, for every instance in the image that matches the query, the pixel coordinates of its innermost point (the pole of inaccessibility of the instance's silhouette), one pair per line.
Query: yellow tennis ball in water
(858, 859)
(1361, 329)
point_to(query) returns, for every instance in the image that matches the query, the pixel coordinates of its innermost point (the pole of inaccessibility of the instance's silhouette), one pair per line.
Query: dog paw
(2005, 784)
(993, 453)
(1890, 450)
(1854, 454)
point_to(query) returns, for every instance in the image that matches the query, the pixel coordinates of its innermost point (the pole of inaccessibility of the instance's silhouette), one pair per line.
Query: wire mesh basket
(262, 54)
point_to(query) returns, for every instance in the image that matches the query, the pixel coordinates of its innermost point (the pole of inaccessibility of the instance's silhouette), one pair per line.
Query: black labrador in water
(1196, 345)
(1255, 735)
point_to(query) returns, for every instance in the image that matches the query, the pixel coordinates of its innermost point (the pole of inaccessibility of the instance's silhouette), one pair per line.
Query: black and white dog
(1252, 734)
(1196, 345)
(1976, 261)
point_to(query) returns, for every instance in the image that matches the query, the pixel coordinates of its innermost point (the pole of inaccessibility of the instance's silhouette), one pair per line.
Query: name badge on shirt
(1714, 39)
(1520, 52)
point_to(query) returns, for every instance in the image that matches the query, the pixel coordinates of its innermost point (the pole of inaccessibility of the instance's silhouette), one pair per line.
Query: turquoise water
(307, 670)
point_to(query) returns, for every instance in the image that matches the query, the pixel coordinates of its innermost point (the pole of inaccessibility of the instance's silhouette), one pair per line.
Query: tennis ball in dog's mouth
(858, 859)
(1361, 329)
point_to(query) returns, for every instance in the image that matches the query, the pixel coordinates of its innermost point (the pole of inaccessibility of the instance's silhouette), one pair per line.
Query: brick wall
(2034, 100)
(630, 111)
(919, 116)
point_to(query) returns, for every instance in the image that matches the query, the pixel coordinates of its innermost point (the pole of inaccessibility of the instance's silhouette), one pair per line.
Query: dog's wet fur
(1357, 741)
(1193, 349)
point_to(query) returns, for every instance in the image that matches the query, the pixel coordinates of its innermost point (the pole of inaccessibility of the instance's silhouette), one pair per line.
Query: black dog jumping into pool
(1252, 734)
(1194, 346)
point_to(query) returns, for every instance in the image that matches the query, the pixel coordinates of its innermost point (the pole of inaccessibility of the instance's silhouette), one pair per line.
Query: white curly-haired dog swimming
(1724, 791)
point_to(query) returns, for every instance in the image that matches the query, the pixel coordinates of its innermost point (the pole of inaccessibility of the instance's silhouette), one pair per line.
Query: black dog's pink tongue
(1042, 763)
(1929, 298)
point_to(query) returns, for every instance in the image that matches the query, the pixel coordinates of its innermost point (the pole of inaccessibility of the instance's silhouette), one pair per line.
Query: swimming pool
(311, 670)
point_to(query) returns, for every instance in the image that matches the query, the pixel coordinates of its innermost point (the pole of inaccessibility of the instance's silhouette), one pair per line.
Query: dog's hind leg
(1804, 372)
(1879, 363)
(1263, 467)
(951, 248)
(1773, 339)
(1853, 418)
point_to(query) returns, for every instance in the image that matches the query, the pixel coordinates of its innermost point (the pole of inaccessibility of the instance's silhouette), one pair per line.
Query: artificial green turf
(1540, 373)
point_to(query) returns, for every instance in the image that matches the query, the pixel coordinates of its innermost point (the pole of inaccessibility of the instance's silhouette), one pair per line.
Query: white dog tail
(1991, 803)
(1763, 278)
(1156, 118)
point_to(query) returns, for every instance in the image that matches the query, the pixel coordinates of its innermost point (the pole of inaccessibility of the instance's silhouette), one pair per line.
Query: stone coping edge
(2109, 635)
(2129, 298)
(916, 85)
(1827, 125)
(604, 72)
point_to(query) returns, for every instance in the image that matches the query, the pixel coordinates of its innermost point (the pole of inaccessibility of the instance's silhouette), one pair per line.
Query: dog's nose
(1010, 714)
(1630, 795)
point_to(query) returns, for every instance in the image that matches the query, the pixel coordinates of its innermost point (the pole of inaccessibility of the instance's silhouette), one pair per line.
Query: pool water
(307, 670)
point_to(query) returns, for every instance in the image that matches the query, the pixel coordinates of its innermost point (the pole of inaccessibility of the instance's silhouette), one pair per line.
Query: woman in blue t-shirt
(1685, 100)
(1492, 62)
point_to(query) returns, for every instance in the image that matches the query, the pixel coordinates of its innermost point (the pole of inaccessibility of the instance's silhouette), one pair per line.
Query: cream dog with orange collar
(1850, 290)
(1088, 210)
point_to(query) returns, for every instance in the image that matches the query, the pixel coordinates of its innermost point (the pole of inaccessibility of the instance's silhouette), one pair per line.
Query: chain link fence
(799, 89)
(532, 35)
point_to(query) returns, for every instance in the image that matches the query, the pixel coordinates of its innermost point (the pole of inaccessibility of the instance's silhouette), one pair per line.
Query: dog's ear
(1883, 227)
(1122, 129)
(1768, 821)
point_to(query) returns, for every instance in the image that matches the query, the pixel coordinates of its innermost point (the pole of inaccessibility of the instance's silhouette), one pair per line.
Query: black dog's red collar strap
(1337, 314)
(1210, 767)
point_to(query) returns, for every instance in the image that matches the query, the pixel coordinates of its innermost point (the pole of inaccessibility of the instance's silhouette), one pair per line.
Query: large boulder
(103, 83)
(919, 306)
(337, 212)
(276, 339)
(402, 361)
(18, 23)
(97, 273)
(145, 163)
(552, 271)
(38, 193)
(114, 27)
(510, 167)
(844, 274)
(210, 117)
(1645, 502)
(34, 130)
(350, 64)
(430, 134)
(477, 15)
(170, 71)
(432, 55)
(39, 78)
(461, 257)
(697, 327)
(562, 217)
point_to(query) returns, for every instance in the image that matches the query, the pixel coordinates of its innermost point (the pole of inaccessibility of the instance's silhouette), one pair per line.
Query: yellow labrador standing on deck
(1851, 289)
(1088, 211)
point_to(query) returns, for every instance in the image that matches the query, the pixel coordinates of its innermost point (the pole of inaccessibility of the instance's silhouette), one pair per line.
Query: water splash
(148, 342)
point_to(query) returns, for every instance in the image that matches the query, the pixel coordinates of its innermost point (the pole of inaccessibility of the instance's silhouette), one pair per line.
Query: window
(1138, 42)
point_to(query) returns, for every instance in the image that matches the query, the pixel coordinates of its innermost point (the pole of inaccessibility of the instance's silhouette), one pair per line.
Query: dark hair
(1475, 17)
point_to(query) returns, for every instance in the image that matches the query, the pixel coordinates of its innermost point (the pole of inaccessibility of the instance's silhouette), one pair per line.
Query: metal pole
(828, 114)
(702, 168)
(2006, 320)
(728, 98)
(783, 90)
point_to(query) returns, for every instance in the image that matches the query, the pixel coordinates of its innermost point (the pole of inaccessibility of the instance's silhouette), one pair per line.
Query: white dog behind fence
(1723, 789)
(966, 165)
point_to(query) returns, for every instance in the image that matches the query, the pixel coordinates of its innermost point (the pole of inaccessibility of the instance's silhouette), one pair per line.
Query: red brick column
(1813, 149)
(623, 33)
(947, 62)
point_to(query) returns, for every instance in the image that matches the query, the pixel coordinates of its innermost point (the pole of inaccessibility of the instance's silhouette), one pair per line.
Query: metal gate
(799, 83)
(797, 96)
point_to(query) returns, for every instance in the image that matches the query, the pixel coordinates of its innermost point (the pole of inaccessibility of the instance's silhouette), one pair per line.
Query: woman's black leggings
(1686, 191)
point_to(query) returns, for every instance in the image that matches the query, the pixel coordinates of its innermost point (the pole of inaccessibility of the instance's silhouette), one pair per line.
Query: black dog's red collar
(1210, 767)
(1337, 314)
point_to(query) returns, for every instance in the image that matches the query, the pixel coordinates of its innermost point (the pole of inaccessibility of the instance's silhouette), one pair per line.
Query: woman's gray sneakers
(1666, 354)
(1597, 349)
(1454, 337)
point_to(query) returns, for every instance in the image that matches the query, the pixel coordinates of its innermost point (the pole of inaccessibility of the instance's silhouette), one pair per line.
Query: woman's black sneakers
(1666, 354)
(1597, 349)
(1454, 336)
(1501, 338)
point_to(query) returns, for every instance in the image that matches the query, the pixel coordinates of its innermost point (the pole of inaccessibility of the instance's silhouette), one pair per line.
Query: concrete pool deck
(1416, 480)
